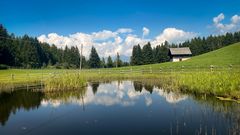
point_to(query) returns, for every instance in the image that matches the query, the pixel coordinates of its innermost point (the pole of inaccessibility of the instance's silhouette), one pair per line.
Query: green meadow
(215, 73)
(221, 58)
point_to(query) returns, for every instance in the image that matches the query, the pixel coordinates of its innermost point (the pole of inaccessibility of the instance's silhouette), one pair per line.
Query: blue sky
(35, 17)
(65, 17)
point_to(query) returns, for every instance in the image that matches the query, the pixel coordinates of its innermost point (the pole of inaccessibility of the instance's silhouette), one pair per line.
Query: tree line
(197, 45)
(28, 52)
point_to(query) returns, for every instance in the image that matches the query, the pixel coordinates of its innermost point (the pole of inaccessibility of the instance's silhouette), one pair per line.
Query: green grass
(224, 83)
(196, 76)
(65, 81)
(219, 58)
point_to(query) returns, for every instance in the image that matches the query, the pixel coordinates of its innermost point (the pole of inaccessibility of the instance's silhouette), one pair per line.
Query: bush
(3, 67)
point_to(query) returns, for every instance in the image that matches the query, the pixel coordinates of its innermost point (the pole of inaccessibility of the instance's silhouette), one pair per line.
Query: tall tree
(118, 61)
(136, 58)
(103, 63)
(109, 62)
(6, 50)
(147, 54)
(94, 60)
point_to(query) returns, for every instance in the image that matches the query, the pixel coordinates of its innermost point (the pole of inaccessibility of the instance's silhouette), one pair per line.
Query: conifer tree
(94, 60)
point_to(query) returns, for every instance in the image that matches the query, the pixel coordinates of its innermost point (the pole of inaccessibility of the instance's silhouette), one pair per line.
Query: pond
(117, 107)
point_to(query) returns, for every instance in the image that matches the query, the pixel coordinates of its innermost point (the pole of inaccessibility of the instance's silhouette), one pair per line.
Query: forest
(28, 52)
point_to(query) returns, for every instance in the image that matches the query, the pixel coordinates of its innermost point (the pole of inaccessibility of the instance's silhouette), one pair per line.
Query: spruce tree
(147, 54)
(118, 61)
(136, 58)
(103, 64)
(109, 62)
(94, 60)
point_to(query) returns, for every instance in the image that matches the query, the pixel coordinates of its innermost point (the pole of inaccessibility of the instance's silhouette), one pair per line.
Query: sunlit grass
(65, 81)
(219, 83)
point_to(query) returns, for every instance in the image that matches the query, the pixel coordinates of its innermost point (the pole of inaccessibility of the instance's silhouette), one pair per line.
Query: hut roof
(180, 51)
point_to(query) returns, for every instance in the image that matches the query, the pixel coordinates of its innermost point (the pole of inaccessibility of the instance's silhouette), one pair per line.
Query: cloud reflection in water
(125, 93)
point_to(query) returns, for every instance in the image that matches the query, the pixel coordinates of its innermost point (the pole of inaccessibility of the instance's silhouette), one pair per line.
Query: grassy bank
(218, 83)
(194, 75)
(224, 83)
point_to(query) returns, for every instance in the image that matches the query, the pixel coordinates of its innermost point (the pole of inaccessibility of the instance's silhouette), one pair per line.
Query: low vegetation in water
(224, 83)
(65, 81)
(219, 83)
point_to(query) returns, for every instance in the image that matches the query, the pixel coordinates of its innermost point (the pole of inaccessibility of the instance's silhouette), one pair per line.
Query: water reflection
(11, 102)
(174, 112)
(94, 86)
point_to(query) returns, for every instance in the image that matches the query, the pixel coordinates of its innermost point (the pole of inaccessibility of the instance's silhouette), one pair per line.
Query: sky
(116, 25)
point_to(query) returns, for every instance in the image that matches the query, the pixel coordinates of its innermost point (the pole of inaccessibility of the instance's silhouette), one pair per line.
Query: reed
(223, 84)
(65, 81)
(218, 83)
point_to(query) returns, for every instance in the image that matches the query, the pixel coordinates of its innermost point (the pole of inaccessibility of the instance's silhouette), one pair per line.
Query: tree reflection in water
(138, 86)
(11, 102)
(94, 86)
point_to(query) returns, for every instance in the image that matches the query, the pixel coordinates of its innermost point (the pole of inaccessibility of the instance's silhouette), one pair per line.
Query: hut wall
(179, 58)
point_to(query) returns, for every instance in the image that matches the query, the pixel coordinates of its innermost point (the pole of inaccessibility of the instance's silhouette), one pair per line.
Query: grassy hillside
(221, 57)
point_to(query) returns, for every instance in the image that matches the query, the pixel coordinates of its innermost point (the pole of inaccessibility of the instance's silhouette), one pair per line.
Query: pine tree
(84, 62)
(94, 60)
(103, 64)
(147, 54)
(136, 58)
(118, 61)
(109, 62)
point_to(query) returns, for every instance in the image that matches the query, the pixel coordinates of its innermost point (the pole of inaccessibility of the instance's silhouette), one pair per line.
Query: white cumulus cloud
(173, 35)
(103, 35)
(146, 31)
(109, 42)
(124, 30)
(222, 28)
(218, 18)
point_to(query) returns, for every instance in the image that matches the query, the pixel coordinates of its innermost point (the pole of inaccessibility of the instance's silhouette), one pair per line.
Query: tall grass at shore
(224, 83)
(218, 83)
(65, 81)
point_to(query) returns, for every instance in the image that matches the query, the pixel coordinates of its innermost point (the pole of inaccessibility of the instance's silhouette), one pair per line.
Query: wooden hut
(179, 54)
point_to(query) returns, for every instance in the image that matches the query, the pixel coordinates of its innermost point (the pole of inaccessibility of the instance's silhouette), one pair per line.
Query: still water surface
(118, 107)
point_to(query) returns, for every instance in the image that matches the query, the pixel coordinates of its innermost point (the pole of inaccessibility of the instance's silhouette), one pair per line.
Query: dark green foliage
(28, 52)
(109, 62)
(125, 64)
(84, 62)
(3, 66)
(94, 60)
(160, 54)
(6, 52)
(118, 62)
(136, 58)
(103, 63)
(147, 54)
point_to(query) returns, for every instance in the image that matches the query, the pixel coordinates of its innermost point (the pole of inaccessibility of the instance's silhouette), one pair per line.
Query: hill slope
(221, 57)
